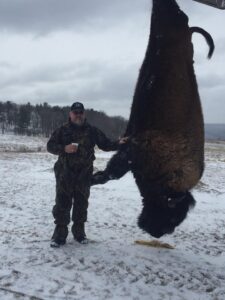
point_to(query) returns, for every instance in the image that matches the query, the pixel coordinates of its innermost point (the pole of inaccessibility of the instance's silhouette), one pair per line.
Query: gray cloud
(5, 65)
(49, 74)
(220, 47)
(96, 55)
(103, 85)
(211, 80)
(44, 16)
(213, 101)
(113, 89)
(82, 70)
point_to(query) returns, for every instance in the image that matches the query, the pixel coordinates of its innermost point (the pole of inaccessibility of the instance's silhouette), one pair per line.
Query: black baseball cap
(77, 106)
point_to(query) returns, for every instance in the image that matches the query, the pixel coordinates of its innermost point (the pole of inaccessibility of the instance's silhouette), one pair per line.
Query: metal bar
(215, 3)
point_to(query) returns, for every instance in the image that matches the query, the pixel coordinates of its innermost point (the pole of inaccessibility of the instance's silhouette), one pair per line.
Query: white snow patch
(111, 266)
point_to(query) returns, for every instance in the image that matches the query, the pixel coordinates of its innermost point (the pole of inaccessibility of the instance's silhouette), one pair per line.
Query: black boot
(59, 236)
(78, 231)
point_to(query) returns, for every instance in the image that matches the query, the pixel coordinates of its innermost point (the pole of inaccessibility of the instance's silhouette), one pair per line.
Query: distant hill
(215, 132)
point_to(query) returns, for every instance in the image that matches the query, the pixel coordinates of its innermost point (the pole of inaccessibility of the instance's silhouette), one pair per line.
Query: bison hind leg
(161, 216)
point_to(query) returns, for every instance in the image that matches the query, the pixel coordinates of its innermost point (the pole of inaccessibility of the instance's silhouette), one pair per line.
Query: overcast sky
(91, 50)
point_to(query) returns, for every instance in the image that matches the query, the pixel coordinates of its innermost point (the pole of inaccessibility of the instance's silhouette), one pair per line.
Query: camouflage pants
(72, 190)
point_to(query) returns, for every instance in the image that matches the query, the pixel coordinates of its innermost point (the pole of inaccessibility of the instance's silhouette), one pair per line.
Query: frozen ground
(111, 266)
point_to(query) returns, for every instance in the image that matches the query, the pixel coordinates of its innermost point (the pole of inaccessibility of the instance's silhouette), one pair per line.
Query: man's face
(77, 117)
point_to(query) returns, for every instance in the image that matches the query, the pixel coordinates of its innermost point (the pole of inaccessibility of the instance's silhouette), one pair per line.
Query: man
(74, 144)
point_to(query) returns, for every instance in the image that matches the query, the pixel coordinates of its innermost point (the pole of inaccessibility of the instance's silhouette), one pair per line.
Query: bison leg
(116, 168)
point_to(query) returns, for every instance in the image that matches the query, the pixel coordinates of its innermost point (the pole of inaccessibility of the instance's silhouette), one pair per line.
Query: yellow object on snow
(154, 243)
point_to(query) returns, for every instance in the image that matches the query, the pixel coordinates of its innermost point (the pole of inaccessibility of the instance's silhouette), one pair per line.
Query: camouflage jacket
(86, 136)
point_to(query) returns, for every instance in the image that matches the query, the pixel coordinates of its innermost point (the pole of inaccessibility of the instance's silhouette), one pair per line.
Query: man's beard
(79, 122)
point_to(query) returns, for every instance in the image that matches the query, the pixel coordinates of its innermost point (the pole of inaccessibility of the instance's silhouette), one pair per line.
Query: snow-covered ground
(111, 266)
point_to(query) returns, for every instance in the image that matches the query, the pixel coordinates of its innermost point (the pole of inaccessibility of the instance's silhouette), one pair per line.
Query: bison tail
(207, 37)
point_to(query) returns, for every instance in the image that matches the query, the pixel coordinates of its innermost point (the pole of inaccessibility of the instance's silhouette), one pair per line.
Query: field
(111, 266)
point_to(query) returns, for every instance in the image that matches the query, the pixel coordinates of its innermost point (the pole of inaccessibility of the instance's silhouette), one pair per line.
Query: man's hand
(71, 148)
(123, 140)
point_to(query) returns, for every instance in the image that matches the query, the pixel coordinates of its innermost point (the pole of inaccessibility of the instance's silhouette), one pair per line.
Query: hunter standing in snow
(74, 144)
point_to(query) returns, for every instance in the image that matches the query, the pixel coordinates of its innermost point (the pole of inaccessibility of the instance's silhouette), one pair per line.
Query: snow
(111, 266)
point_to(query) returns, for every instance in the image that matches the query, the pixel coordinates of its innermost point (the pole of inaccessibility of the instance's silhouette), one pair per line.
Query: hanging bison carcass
(165, 150)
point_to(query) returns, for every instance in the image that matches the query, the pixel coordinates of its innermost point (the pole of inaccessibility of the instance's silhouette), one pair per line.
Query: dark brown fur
(166, 149)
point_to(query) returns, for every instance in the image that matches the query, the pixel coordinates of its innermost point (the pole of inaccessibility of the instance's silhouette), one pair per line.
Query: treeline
(43, 119)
